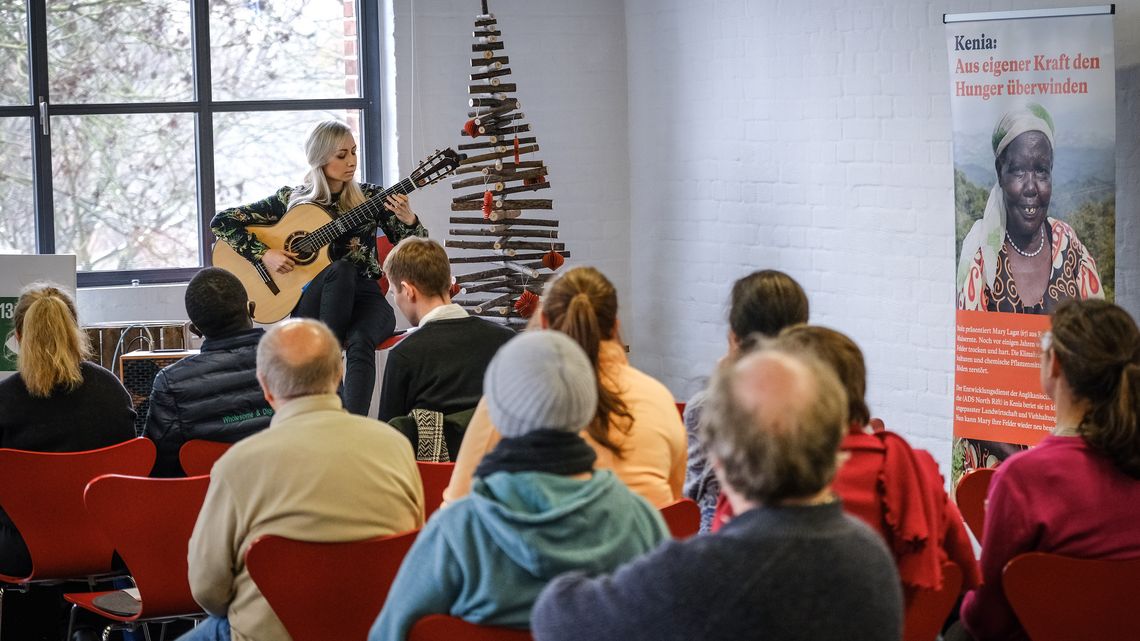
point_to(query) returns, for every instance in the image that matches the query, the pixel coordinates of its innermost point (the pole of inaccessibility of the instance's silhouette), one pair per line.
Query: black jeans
(353, 307)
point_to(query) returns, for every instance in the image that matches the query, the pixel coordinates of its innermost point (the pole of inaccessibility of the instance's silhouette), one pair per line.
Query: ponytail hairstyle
(1098, 346)
(52, 345)
(583, 305)
(323, 142)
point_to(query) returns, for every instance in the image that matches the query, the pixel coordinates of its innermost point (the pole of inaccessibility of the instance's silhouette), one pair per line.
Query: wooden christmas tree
(521, 252)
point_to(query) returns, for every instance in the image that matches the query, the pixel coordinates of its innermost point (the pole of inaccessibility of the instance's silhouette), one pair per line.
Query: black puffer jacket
(212, 396)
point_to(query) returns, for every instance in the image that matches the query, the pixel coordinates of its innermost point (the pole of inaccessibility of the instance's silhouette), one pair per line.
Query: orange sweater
(654, 451)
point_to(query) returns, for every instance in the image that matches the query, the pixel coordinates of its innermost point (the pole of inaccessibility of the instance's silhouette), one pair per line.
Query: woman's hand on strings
(278, 261)
(398, 204)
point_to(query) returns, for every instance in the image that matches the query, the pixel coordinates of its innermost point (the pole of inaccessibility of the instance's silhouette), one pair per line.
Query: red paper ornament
(516, 150)
(552, 260)
(488, 201)
(471, 129)
(454, 290)
(526, 303)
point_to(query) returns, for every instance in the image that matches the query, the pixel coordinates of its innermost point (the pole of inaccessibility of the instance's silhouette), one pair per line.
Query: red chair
(928, 609)
(683, 517)
(441, 627)
(970, 496)
(149, 521)
(43, 494)
(1058, 598)
(326, 591)
(435, 477)
(383, 248)
(681, 409)
(198, 456)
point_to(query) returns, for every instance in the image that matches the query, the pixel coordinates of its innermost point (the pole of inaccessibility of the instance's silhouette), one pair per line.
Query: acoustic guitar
(307, 229)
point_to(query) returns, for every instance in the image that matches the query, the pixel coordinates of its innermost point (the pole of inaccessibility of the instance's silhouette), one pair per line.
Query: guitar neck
(367, 211)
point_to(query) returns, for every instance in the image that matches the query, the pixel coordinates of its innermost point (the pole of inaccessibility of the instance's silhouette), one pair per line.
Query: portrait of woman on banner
(1017, 258)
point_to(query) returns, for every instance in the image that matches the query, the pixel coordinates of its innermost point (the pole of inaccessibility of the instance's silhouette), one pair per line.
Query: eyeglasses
(1046, 341)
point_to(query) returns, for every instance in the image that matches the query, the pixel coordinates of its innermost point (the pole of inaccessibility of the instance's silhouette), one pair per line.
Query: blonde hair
(322, 144)
(52, 345)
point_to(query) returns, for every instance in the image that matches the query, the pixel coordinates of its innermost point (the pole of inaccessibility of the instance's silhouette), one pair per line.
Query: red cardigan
(899, 492)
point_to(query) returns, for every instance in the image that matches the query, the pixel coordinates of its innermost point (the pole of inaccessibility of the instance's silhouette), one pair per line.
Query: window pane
(17, 203)
(121, 51)
(125, 196)
(283, 49)
(257, 153)
(14, 61)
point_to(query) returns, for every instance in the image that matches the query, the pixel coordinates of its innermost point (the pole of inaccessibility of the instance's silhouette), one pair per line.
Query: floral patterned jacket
(357, 246)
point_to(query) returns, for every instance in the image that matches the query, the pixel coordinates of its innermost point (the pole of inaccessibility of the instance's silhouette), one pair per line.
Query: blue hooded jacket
(486, 557)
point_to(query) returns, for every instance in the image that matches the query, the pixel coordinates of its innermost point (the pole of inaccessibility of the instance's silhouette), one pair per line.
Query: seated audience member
(635, 431)
(438, 367)
(537, 507)
(56, 401)
(1076, 493)
(317, 473)
(791, 566)
(896, 490)
(213, 395)
(762, 302)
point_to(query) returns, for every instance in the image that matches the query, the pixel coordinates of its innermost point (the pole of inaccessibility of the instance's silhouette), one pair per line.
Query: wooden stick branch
(508, 105)
(500, 190)
(504, 245)
(529, 149)
(489, 59)
(505, 204)
(499, 166)
(496, 144)
(486, 46)
(501, 131)
(505, 87)
(494, 73)
(503, 224)
(483, 275)
(494, 302)
(522, 269)
(519, 233)
(496, 258)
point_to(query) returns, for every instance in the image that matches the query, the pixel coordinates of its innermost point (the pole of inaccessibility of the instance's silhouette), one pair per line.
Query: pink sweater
(1060, 497)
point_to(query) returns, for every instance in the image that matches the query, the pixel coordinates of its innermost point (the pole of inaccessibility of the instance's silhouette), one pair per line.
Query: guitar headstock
(436, 166)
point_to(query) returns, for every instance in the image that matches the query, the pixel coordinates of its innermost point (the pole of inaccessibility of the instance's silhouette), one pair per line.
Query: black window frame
(203, 107)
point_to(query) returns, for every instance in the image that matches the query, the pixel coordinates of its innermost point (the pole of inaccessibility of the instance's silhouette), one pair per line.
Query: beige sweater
(654, 451)
(317, 473)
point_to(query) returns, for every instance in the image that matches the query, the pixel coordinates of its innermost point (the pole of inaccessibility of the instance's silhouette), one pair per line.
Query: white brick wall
(814, 137)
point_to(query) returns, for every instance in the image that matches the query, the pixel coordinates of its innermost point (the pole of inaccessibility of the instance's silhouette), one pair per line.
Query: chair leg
(106, 633)
(146, 631)
(1, 612)
(71, 623)
(162, 631)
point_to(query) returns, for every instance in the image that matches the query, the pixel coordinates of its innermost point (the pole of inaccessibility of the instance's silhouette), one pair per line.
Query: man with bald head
(317, 473)
(791, 565)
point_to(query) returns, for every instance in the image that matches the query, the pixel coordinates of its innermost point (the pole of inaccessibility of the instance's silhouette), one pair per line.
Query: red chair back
(928, 609)
(683, 517)
(681, 409)
(198, 456)
(326, 591)
(383, 248)
(43, 494)
(435, 477)
(150, 522)
(970, 496)
(1058, 598)
(441, 627)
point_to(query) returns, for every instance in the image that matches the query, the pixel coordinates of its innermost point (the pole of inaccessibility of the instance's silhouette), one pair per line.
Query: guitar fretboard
(367, 211)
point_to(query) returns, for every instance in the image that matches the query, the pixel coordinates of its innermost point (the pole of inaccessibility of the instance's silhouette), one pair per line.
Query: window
(126, 124)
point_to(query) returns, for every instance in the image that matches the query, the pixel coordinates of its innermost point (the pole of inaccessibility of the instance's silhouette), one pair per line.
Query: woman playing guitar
(345, 295)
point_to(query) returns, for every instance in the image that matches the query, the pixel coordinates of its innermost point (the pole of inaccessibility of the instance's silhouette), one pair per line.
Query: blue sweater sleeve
(428, 583)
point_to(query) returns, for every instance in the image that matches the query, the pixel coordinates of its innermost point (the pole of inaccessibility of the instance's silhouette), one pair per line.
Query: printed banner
(1034, 112)
(16, 272)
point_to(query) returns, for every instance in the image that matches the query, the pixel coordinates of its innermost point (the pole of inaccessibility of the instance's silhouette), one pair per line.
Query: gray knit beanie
(540, 380)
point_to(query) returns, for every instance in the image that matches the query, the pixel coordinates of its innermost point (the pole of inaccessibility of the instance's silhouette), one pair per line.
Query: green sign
(7, 356)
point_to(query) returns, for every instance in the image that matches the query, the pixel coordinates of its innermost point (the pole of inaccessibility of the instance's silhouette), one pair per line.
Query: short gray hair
(774, 421)
(299, 357)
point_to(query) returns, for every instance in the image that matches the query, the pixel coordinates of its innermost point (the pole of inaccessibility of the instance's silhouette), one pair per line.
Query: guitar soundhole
(303, 257)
